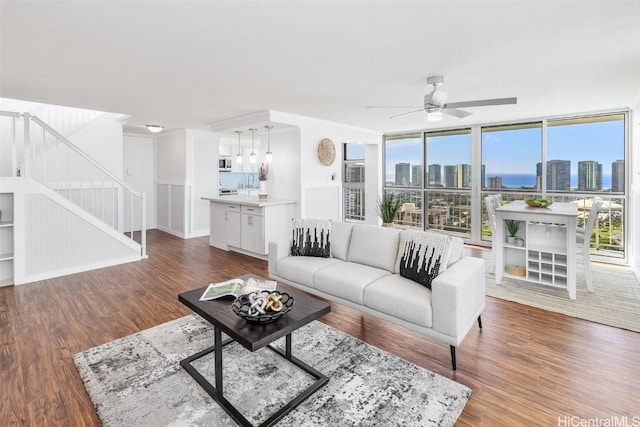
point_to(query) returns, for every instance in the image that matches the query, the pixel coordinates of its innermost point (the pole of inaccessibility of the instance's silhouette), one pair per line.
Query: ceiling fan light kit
(435, 103)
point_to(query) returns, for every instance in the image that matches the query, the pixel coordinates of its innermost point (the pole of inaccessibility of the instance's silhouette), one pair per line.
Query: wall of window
(570, 159)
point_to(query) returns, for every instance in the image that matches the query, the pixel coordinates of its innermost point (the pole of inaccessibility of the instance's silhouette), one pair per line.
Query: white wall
(171, 154)
(634, 210)
(284, 171)
(313, 174)
(139, 173)
(373, 182)
(102, 140)
(202, 178)
(171, 177)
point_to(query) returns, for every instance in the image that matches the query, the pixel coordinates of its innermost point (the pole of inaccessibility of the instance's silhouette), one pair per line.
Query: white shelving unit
(548, 254)
(6, 239)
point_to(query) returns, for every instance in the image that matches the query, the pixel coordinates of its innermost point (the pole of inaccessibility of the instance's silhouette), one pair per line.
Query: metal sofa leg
(453, 357)
(479, 322)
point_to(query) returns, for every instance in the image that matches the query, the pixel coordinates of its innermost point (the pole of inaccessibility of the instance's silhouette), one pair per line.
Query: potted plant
(512, 227)
(263, 175)
(388, 208)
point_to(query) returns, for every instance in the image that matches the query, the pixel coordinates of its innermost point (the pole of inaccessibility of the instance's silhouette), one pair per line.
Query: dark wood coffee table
(252, 336)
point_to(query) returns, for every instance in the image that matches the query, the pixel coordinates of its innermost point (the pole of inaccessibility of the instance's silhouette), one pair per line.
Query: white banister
(82, 174)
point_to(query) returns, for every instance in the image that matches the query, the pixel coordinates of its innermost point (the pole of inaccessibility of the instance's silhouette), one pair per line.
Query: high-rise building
(435, 178)
(451, 176)
(416, 176)
(354, 191)
(354, 204)
(589, 176)
(482, 176)
(617, 176)
(354, 172)
(559, 175)
(464, 175)
(403, 174)
(494, 182)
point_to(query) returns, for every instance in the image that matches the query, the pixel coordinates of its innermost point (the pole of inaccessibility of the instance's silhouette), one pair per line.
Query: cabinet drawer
(252, 210)
(233, 208)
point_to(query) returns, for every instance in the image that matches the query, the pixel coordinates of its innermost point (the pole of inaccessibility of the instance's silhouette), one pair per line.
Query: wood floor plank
(526, 366)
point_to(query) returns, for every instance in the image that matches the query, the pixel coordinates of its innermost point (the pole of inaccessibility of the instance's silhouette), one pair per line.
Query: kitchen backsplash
(239, 180)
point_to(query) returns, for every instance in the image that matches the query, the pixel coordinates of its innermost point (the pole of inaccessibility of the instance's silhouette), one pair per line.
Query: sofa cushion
(423, 255)
(300, 269)
(311, 237)
(374, 246)
(457, 250)
(340, 237)
(346, 280)
(402, 298)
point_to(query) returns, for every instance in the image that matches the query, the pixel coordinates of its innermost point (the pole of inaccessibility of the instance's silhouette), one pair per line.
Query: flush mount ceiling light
(154, 128)
(435, 114)
(252, 156)
(268, 157)
(239, 156)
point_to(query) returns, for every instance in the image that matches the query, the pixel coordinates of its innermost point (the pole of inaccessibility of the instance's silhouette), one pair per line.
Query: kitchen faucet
(251, 180)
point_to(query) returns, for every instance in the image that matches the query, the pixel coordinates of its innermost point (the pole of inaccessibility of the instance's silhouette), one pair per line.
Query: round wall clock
(326, 152)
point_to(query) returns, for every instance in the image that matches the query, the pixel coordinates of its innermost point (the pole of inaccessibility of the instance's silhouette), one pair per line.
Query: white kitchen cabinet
(224, 225)
(250, 224)
(252, 233)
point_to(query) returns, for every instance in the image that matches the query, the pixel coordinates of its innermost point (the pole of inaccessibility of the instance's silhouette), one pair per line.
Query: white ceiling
(191, 63)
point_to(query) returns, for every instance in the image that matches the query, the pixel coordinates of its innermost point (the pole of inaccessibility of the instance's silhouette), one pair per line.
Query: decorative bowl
(242, 306)
(538, 203)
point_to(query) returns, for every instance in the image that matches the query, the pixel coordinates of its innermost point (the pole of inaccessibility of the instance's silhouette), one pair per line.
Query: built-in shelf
(6, 239)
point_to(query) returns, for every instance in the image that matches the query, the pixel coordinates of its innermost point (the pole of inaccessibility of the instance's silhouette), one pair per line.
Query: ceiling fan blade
(393, 106)
(457, 113)
(407, 114)
(483, 102)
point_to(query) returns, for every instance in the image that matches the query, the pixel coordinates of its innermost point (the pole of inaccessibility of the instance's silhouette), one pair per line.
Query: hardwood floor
(525, 367)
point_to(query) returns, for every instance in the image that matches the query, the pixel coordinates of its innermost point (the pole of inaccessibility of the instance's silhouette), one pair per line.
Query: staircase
(85, 216)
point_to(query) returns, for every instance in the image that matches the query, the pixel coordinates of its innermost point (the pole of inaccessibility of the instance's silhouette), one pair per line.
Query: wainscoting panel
(59, 241)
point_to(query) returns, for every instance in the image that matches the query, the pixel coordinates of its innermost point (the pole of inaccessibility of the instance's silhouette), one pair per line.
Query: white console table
(548, 254)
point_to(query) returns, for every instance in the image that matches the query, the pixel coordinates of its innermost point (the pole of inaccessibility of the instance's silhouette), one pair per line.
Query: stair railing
(57, 163)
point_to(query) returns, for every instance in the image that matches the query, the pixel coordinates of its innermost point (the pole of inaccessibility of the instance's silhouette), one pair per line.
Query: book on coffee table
(237, 287)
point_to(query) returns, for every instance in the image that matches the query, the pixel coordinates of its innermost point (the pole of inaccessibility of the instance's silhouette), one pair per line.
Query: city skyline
(567, 140)
(558, 176)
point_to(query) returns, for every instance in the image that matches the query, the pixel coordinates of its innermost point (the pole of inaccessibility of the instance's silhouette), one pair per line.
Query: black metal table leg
(216, 392)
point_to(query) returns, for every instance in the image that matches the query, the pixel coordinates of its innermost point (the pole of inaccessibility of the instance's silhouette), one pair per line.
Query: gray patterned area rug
(137, 380)
(614, 302)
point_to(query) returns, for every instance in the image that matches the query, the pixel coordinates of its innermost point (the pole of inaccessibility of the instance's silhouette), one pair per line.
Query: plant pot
(511, 239)
(387, 224)
(262, 192)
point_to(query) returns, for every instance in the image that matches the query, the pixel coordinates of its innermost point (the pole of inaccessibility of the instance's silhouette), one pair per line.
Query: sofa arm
(458, 297)
(278, 250)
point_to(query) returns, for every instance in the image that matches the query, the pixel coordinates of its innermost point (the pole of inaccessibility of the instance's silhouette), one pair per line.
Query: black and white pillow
(311, 237)
(423, 255)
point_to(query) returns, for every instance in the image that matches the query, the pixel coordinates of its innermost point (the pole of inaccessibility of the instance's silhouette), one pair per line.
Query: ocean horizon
(517, 180)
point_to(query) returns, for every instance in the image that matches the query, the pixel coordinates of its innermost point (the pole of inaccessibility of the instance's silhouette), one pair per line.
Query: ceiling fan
(436, 106)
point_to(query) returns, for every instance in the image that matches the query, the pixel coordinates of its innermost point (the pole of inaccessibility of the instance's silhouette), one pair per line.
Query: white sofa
(362, 273)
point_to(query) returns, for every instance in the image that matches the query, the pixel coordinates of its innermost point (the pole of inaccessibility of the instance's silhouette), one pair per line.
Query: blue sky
(518, 151)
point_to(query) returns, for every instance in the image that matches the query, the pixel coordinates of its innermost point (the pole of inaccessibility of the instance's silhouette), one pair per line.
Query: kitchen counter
(242, 199)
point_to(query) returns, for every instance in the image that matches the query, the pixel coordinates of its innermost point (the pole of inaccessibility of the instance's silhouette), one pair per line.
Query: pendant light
(268, 157)
(239, 156)
(253, 158)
